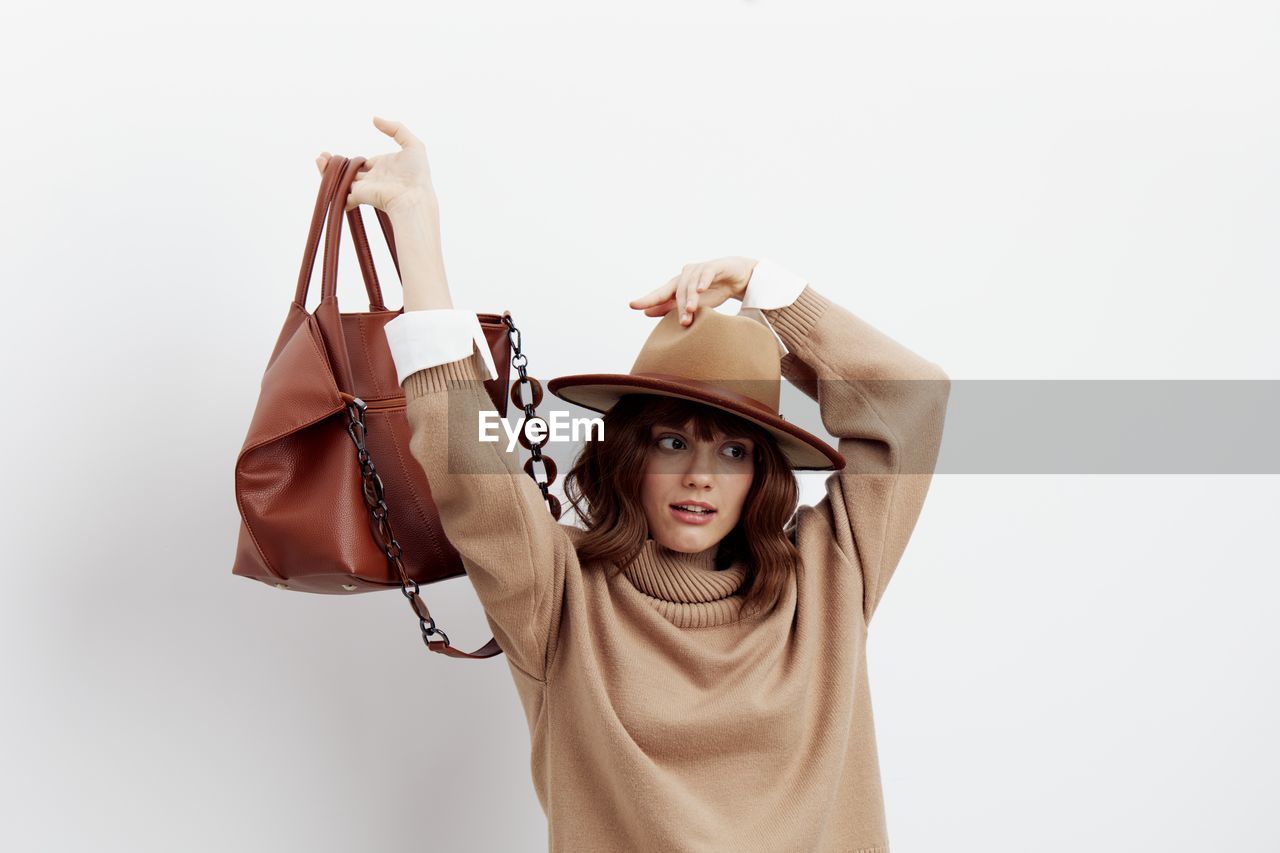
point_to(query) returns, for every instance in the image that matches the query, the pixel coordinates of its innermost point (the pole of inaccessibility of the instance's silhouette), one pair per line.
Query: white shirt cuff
(433, 336)
(771, 286)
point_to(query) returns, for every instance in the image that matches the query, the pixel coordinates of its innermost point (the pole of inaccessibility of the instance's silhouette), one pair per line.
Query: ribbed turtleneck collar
(686, 587)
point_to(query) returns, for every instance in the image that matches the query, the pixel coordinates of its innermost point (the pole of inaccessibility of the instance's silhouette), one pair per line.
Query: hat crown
(732, 351)
(728, 361)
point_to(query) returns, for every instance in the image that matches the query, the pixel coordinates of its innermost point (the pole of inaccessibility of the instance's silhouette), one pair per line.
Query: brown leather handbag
(316, 514)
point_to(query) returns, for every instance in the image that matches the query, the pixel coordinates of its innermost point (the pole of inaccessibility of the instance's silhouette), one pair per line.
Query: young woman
(692, 659)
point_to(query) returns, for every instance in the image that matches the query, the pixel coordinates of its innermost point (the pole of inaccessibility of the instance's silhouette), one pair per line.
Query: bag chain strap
(519, 360)
(375, 496)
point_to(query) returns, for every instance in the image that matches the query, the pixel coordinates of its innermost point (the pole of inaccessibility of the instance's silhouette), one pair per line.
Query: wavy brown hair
(603, 487)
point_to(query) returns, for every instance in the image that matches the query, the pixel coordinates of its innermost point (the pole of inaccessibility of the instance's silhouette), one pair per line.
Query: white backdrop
(1014, 190)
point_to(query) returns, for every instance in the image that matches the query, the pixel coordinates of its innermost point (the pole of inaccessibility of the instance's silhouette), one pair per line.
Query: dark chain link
(375, 498)
(519, 360)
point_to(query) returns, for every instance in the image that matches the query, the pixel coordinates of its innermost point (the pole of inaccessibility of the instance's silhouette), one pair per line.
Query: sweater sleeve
(514, 551)
(886, 406)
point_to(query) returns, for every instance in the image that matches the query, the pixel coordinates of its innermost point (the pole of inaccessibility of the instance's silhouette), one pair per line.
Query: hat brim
(803, 450)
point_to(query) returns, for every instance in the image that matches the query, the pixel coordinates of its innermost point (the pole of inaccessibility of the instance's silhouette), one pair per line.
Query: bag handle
(333, 231)
(324, 198)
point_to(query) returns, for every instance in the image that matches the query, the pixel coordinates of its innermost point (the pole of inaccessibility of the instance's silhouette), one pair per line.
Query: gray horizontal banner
(1001, 426)
(1115, 426)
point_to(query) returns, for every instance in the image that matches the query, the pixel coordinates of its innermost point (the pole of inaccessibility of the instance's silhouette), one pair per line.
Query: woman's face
(682, 469)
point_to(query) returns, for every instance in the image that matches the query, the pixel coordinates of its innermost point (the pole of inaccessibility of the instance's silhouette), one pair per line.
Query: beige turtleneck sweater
(661, 716)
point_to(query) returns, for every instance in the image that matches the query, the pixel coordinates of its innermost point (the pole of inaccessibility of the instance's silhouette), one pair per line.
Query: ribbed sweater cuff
(460, 373)
(793, 322)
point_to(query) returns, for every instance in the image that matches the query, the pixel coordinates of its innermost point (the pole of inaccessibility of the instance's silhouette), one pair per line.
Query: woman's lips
(693, 517)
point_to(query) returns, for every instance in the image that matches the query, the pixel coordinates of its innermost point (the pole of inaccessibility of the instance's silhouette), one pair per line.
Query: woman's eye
(734, 451)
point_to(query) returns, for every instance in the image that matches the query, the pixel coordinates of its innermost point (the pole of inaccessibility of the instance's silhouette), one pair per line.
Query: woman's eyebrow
(732, 437)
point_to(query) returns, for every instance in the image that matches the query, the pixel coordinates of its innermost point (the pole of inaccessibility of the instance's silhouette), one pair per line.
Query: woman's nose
(697, 480)
(699, 472)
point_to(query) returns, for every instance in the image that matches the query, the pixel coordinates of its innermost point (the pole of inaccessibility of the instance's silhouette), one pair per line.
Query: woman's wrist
(415, 202)
(415, 221)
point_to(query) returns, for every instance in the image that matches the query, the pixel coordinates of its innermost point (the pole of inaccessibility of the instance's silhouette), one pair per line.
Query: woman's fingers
(656, 296)
(661, 308)
(693, 290)
(682, 293)
(367, 166)
(701, 280)
(686, 292)
(362, 192)
(397, 131)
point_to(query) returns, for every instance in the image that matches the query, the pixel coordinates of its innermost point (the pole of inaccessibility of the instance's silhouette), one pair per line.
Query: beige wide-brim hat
(723, 360)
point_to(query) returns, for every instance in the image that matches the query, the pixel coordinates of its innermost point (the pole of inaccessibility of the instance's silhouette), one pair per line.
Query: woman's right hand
(391, 181)
(708, 283)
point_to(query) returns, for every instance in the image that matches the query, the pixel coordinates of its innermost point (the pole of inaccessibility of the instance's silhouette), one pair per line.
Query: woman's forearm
(416, 223)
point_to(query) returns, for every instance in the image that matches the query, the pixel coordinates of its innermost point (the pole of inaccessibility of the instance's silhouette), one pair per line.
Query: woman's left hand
(708, 283)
